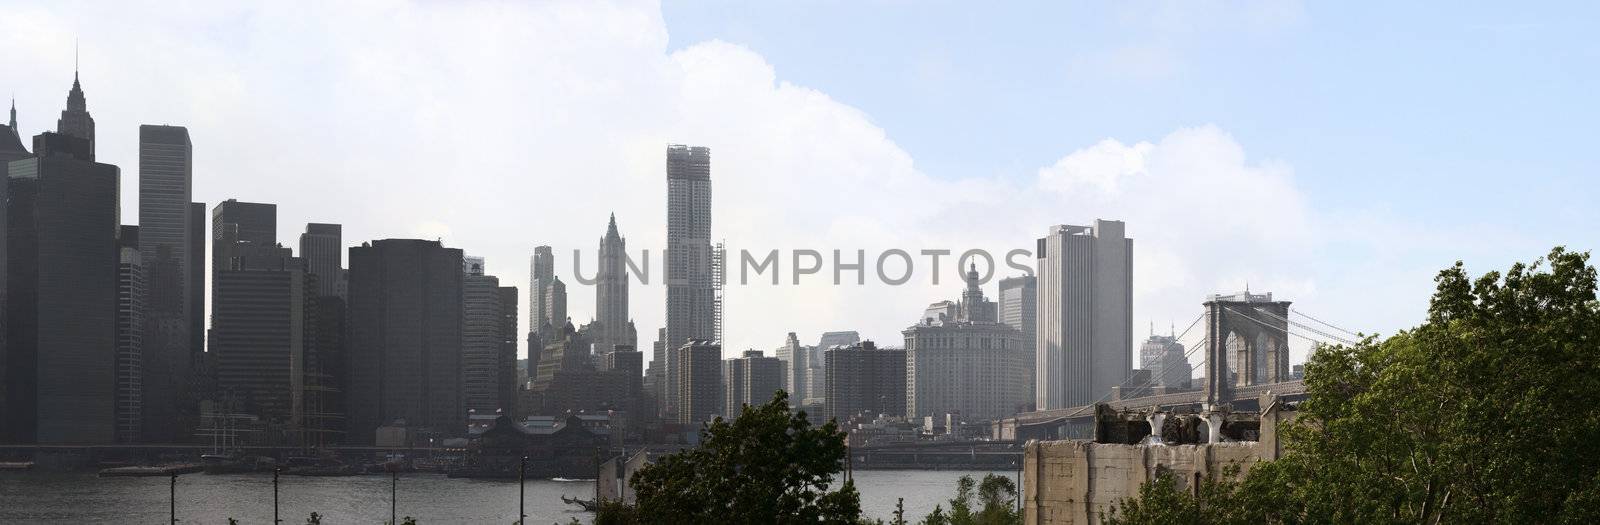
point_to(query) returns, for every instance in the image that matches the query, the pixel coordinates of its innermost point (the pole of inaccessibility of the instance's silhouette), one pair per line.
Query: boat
(16, 465)
(146, 471)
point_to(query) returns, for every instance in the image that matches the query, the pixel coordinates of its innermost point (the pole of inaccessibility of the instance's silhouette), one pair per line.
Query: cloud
(502, 126)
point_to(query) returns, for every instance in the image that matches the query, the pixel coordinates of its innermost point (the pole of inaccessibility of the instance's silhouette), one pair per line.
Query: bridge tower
(1247, 343)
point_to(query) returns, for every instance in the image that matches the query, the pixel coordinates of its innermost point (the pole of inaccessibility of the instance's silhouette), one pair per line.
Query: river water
(42, 497)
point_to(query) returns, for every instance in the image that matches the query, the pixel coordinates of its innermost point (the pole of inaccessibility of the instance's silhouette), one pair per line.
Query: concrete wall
(1077, 481)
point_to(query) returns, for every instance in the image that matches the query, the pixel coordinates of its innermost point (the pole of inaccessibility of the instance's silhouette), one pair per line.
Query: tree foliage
(769, 465)
(1487, 412)
(996, 503)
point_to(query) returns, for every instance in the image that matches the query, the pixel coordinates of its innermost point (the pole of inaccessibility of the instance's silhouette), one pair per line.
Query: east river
(43, 497)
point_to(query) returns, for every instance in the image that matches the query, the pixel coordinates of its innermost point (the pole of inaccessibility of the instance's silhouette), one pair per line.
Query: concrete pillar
(1156, 419)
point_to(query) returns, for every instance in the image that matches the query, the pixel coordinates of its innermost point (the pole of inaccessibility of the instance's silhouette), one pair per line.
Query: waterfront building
(482, 339)
(61, 269)
(405, 337)
(863, 379)
(1085, 315)
(969, 365)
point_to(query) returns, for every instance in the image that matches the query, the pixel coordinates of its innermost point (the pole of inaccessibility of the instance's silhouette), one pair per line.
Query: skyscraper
(1085, 316)
(1019, 309)
(690, 293)
(817, 363)
(749, 380)
(75, 120)
(11, 146)
(507, 368)
(793, 356)
(130, 329)
(405, 338)
(864, 379)
(611, 294)
(481, 338)
(61, 273)
(541, 274)
(700, 385)
(259, 333)
(165, 189)
(1163, 356)
(322, 249)
(197, 280)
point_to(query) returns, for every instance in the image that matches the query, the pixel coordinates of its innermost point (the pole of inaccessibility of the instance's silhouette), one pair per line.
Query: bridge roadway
(1077, 422)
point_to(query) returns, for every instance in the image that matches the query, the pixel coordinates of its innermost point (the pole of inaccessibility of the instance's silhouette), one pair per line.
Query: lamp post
(522, 478)
(394, 484)
(172, 500)
(275, 471)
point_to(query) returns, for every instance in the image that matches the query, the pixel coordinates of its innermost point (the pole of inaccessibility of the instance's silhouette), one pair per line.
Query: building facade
(1085, 315)
(970, 365)
(1019, 309)
(612, 325)
(750, 379)
(700, 386)
(863, 379)
(62, 263)
(691, 310)
(481, 338)
(1164, 357)
(130, 330)
(405, 338)
(165, 189)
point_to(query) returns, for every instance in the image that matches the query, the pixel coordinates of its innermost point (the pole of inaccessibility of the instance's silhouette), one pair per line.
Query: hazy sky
(1337, 154)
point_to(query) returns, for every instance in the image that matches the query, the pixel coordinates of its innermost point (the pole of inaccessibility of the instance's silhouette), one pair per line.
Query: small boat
(16, 465)
(588, 505)
(146, 471)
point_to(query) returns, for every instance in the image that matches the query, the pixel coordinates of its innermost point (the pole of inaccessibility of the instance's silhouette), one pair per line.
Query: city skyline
(1129, 177)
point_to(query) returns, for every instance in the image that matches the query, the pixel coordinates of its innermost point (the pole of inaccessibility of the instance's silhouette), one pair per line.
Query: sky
(1336, 154)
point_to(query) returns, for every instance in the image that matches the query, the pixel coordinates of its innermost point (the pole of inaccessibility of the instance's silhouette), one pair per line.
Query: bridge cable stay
(1307, 328)
(1286, 331)
(1325, 323)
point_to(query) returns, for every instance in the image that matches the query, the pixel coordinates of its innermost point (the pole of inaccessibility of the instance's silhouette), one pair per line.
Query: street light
(522, 479)
(275, 471)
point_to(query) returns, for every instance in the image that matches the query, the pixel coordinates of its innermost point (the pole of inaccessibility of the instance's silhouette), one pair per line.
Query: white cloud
(503, 126)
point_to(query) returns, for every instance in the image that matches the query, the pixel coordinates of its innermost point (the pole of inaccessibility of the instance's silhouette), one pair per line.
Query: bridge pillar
(1258, 329)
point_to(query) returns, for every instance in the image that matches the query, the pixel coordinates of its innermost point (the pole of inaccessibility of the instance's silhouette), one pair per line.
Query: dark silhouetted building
(405, 338)
(61, 274)
(130, 330)
(75, 120)
(165, 188)
(197, 280)
(322, 250)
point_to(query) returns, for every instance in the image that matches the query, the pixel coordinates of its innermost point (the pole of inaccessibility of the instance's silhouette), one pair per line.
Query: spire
(14, 116)
(611, 228)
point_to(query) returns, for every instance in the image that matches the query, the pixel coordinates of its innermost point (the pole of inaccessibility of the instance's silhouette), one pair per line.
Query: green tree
(769, 465)
(1487, 412)
(996, 499)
